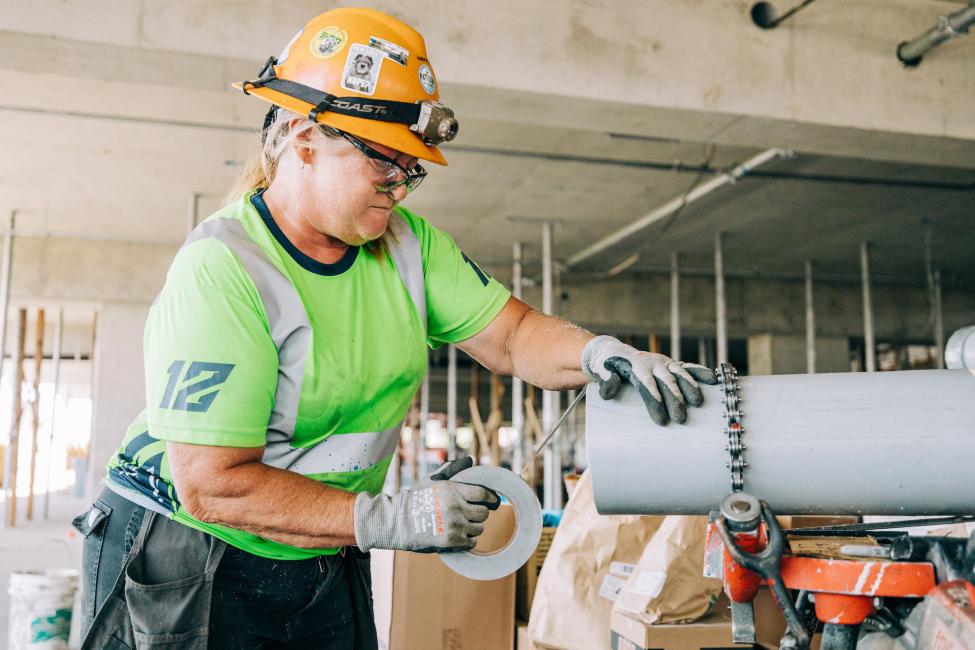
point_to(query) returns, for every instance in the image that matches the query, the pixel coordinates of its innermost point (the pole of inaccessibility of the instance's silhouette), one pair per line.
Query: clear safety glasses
(393, 173)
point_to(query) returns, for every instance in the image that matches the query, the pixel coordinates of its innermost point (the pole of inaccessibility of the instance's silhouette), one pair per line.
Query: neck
(291, 217)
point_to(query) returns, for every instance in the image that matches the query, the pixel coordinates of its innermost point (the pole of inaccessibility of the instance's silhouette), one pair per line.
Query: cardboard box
(527, 576)
(712, 632)
(815, 521)
(420, 603)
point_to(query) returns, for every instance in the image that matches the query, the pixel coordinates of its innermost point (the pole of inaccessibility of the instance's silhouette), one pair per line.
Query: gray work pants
(152, 583)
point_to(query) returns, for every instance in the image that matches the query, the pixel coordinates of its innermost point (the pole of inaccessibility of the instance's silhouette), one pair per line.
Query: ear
(301, 144)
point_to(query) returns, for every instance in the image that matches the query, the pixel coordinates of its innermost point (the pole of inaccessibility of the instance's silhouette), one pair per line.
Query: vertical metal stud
(870, 347)
(810, 322)
(517, 385)
(720, 306)
(552, 475)
(674, 306)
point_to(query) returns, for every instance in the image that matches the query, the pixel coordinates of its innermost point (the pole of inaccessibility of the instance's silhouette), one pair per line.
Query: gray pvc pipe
(887, 443)
(960, 350)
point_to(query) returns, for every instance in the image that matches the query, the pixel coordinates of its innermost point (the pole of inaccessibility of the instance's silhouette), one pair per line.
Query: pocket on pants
(91, 524)
(171, 614)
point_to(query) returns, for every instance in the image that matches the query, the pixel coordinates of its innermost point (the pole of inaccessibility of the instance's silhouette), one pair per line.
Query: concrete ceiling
(145, 129)
(131, 180)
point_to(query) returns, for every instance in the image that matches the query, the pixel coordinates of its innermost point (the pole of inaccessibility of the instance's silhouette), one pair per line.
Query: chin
(373, 228)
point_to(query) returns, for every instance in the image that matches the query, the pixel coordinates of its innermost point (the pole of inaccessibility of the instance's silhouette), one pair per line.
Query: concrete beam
(827, 82)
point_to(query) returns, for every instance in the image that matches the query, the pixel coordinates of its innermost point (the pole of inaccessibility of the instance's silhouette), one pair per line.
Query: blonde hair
(264, 155)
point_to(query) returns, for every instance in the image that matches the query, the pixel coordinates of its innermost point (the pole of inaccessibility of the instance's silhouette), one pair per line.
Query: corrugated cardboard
(712, 632)
(815, 521)
(420, 603)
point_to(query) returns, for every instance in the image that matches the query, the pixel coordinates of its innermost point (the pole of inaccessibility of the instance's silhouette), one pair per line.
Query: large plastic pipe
(889, 443)
(960, 350)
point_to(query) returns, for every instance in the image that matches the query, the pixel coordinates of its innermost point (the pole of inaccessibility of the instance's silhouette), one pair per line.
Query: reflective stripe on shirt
(340, 452)
(290, 330)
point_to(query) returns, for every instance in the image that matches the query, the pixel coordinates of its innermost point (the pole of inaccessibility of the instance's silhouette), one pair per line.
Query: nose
(399, 193)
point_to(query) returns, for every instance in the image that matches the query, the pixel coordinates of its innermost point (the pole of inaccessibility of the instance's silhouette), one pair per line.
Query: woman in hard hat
(283, 354)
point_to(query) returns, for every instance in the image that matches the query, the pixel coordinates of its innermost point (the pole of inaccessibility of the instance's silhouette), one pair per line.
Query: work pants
(150, 582)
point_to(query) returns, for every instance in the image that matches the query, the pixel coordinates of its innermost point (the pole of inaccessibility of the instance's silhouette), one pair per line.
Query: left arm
(549, 352)
(543, 350)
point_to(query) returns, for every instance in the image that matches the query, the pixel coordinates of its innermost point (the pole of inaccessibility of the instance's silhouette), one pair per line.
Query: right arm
(230, 486)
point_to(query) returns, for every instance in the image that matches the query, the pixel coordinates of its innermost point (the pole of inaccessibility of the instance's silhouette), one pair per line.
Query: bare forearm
(546, 351)
(279, 505)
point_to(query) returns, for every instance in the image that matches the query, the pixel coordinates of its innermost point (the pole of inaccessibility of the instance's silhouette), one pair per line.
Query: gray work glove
(436, 514)
(666, 386)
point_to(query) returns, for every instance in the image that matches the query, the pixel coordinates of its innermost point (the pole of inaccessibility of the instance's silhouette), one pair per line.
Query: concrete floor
(39, 544)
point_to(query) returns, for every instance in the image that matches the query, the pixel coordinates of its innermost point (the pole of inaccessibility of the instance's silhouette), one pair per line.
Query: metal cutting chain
(731, 399)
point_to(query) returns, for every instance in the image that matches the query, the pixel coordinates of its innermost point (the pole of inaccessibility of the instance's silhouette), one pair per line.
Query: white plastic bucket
(40, 609)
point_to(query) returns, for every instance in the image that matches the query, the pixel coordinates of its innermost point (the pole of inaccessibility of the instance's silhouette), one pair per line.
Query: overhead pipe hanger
(948, 27)
(764, 14)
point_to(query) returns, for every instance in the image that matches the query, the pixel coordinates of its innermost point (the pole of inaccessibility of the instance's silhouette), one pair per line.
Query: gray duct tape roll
(528, 513)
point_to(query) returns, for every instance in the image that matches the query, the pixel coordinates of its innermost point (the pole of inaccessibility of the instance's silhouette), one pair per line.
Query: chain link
(731, 399)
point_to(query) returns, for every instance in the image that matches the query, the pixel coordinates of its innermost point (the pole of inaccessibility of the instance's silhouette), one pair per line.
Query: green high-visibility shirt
(251, 343)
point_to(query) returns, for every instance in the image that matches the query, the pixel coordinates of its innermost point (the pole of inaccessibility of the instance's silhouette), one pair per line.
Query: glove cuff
(592, 350)
(373, 521)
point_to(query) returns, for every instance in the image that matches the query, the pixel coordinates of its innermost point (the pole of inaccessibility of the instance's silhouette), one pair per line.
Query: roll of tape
(528, 517)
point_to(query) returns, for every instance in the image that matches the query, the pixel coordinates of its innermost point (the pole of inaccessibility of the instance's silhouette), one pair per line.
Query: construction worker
(283, 353)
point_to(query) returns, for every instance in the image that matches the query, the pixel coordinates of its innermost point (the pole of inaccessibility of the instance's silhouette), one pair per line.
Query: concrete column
(870, 347)
(11, 455)
(552, 476)
(721, 317)
(118, 384)
(517, 385)
(5, 267)
(674, 306)
(451, 402)
(56, 357)
(192, 211)
(810, 322)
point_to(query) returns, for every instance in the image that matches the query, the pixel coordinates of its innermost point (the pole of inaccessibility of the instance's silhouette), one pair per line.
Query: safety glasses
(394, 174)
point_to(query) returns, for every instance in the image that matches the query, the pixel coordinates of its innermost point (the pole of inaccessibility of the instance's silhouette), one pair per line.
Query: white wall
(119, 391)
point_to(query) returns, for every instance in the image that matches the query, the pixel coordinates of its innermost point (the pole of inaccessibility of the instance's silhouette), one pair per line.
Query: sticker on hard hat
(328, 42)
(427, 80)
(287, 48)
(362, 69)
(392, 51)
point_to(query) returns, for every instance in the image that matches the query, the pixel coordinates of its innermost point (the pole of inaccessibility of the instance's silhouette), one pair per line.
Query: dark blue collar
(304, 261)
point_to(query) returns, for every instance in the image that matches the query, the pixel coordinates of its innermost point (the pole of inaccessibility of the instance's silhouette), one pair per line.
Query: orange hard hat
(363, 72)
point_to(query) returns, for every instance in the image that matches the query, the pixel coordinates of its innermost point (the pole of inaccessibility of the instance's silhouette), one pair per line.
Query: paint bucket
(40, 609)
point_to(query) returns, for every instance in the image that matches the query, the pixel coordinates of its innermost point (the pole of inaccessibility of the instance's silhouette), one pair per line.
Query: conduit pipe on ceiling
(672, 206)
(947, 27)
